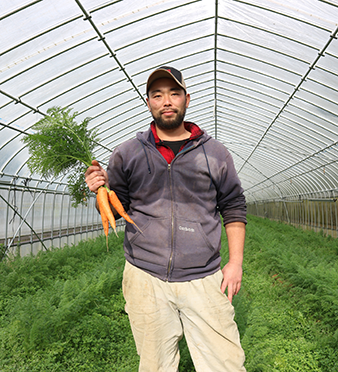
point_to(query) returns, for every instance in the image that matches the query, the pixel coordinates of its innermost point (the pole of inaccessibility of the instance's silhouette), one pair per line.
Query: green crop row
(287, 310)
(63, 310)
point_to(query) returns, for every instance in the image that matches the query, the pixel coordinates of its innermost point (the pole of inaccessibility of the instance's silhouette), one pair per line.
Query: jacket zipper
(172, 212)
(172, 224)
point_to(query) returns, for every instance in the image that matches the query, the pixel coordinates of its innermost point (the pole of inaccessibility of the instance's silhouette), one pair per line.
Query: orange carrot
(105, 224)
(103, 203)
(115, 202)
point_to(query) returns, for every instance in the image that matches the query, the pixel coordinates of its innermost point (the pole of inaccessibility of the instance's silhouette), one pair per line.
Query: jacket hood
(147, 139)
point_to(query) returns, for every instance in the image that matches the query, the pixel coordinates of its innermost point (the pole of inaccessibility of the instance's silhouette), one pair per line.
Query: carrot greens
(61, 146)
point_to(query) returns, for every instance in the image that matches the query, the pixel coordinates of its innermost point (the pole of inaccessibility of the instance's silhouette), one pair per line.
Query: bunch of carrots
(104, 197)
(61, 146)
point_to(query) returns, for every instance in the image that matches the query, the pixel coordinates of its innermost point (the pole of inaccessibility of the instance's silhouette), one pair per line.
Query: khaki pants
(160, 312)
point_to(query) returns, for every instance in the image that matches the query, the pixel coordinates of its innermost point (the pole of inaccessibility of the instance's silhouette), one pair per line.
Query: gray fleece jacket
(177, 206)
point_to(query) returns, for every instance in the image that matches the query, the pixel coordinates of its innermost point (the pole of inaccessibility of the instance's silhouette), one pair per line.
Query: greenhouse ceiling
(262, 74)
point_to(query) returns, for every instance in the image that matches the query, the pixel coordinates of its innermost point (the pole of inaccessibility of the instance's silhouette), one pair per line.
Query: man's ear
(147, 99)
(187, 100)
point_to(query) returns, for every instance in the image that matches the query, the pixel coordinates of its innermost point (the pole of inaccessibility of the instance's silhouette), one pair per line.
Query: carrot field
(63, 310)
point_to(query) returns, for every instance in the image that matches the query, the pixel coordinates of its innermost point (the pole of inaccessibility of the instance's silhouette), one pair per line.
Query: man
(174, 181)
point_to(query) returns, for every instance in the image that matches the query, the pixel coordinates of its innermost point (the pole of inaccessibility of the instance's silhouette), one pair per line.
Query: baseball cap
(166, 72)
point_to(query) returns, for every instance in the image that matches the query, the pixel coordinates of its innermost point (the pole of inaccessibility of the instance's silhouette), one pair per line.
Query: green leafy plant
(2, 251)
(61, 146)
(63, 310)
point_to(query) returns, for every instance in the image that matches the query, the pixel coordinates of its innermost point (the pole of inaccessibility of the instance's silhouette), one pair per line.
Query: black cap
(166, 72)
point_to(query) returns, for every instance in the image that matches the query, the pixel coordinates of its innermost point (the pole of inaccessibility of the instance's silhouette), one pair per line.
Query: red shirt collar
(194, 130)
(165, 151)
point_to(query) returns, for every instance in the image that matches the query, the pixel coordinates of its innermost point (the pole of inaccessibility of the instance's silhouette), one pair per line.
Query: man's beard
(174, 123)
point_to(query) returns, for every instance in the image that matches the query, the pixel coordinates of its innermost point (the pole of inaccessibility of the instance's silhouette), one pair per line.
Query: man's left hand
(232, 278)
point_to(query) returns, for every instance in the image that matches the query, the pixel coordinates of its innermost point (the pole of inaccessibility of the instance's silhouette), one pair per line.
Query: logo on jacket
(184, 228)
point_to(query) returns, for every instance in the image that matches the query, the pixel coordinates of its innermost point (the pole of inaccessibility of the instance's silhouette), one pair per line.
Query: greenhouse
(263, 81)
(262, 75)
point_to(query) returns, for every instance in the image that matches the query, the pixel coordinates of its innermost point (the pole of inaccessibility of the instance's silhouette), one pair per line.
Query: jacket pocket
(192, 248)
(153, 244)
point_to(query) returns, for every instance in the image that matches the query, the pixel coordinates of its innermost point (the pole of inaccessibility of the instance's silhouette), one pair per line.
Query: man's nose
(166, 100)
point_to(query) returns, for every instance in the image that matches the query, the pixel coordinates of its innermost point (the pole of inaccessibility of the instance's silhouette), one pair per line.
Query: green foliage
(2, 251)
(77, 186)
(287, 308)
(60, 146)
(64, 309)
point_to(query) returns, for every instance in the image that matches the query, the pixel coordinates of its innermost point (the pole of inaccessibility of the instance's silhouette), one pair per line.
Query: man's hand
(232, 271)
(232, 279)
(96, 176)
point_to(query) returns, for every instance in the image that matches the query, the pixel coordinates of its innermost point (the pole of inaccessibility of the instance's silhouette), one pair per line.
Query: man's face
(167, 103)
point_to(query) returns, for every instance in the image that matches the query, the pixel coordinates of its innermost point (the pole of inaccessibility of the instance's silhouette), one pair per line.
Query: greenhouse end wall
(316, 214)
